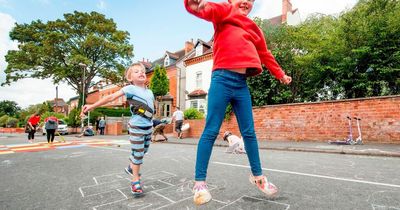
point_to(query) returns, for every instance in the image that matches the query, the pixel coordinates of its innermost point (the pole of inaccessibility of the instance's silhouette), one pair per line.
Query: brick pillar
(114, 129)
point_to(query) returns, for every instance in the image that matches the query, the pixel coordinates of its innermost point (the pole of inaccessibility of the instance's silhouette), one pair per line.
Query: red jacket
(34, 120)
(238, 41)
(51, 118)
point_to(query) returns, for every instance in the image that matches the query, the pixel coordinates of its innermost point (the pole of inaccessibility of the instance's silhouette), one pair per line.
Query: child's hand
(85, 109)
(196, 5)
(286, 79)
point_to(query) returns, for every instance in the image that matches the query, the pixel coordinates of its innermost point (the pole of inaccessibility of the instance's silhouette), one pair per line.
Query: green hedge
(113, 112)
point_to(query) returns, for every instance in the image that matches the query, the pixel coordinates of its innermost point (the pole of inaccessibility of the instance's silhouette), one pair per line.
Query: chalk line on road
(314, 175)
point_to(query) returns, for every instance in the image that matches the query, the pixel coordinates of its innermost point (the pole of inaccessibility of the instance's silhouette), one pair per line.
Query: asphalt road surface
(88, 174)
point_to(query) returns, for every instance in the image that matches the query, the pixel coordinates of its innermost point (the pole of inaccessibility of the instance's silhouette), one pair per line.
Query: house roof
(278, 20)
(60, 102)
(198, 92)
(208, 48)
(178, 55)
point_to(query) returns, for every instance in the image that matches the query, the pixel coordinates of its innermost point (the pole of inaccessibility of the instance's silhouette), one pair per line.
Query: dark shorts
(178, 125)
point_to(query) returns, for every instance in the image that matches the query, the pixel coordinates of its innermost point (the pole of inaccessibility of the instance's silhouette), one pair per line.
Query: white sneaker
(266, 187)
(201, 193)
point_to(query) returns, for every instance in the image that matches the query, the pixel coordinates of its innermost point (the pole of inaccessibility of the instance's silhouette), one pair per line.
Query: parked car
(62, 128)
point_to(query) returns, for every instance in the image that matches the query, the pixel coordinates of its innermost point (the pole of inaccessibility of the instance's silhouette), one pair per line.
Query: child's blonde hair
(127, 71)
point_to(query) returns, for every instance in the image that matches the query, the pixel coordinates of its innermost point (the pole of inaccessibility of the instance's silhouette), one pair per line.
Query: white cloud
(102, 5)
(27, 91)
(6, 24)
(34, 91)
(272, 8)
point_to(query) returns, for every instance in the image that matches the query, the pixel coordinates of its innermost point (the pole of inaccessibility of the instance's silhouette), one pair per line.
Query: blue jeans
(227, 87)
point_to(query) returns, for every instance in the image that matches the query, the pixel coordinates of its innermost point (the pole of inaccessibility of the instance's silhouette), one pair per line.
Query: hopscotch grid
(87, 186)
(230, 203)
(220, 201)
(165, 182)
(269, 201)
(95, 207)
(172, 201)
(122, 193)
(380, 206)
(210, 188)
(107, 191)
(314, 175)
(80, 190)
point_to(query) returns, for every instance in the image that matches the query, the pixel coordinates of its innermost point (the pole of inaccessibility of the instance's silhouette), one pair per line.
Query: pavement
(369, 149)
(87, 173)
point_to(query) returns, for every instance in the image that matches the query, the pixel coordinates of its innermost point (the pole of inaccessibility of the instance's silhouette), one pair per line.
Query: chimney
(188, 46)
(286, 7)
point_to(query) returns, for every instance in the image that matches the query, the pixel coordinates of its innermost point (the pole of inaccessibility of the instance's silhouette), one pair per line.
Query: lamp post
(56, 102)
(83, 66)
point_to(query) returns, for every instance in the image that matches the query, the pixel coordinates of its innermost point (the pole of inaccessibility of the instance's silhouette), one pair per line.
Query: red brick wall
(171, 73)
(12, 130)
(321, 121)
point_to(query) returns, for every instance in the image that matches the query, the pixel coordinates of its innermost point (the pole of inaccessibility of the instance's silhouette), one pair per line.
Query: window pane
(194, 104)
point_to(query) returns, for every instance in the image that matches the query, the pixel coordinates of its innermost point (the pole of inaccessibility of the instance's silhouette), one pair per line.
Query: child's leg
(135, 172)
(242, 107)
(218, 98)
(136, 158)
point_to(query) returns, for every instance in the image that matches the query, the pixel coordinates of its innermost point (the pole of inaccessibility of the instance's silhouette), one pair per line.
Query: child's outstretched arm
(210, 11)
(102, 101)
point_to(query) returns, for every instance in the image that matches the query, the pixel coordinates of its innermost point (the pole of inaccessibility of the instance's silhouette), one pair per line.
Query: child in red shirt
(239, 51)
(32, 123)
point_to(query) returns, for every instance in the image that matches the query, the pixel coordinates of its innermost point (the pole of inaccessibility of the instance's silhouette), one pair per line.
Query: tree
(159, 82)
(56, 48)
(74, 119)
(371, 53)
(9, 108)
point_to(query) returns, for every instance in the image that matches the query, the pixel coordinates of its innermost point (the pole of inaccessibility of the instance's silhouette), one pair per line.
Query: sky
(154, 27)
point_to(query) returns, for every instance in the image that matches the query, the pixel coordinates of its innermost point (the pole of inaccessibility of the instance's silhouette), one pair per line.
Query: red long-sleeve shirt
(238, 41)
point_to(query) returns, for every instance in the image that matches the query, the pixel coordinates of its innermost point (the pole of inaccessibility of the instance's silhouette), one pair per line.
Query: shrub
(12, 122)
(74, 120)
(193, 113)
(113, 112)
(3, 120)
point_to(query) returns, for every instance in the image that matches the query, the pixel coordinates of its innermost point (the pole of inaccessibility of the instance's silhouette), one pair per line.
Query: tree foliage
(74, 119)
(10, 108)
(56, 48)
(355, 54)
(159, 82)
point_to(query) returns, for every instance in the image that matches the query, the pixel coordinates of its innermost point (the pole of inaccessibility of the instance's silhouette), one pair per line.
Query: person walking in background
(51, 125)
(102, 125)
(141, 102)
(240, 51)
(97, 125)
(32, 124)
(178, 117)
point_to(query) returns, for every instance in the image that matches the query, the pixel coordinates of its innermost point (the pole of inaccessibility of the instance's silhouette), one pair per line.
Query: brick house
(173, 63)
(59, 106)
(100, 90)
(198, 75)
